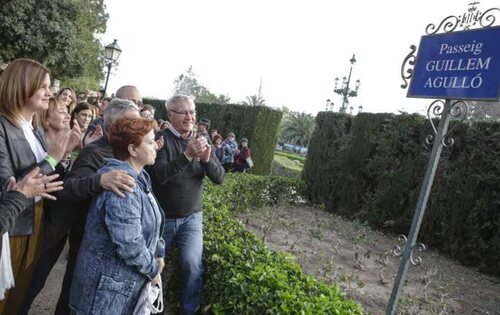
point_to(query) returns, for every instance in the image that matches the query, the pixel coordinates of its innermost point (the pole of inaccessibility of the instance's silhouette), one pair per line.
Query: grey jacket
(17, 159)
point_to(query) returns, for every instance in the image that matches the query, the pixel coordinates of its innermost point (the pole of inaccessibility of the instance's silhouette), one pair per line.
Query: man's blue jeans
(187, 233)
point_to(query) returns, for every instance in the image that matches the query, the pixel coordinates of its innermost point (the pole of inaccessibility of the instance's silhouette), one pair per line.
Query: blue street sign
(458, 65)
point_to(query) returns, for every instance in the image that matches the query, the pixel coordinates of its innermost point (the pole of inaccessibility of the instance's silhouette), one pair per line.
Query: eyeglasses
(137, 102)
(147, 114)
(184, 113)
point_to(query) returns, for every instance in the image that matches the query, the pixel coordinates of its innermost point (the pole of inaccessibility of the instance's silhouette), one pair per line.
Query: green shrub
(371, 167)
(283, 166)
(242, 192)
(322, 168)
(243, 276)
(291, 156)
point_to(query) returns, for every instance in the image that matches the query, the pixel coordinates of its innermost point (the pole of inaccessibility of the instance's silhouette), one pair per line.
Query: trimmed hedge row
(371, 167)
(282, 166)
(243, 276)
(290, 156)
(259, 124)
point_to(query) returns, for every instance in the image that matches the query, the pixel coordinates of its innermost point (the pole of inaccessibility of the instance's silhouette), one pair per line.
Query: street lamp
(345, 91)
(329, 105)
(111, 54)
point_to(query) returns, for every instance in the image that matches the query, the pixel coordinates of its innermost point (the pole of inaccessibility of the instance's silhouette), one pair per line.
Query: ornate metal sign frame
(445, 111)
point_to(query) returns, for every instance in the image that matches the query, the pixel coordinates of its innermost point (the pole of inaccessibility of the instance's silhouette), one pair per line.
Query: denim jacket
(230, 148)
(119, 249)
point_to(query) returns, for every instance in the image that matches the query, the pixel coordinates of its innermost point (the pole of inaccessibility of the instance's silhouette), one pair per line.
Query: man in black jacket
(177, 177)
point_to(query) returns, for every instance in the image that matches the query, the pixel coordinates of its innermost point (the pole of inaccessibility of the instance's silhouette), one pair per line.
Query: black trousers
(46, 262)
(75, 240)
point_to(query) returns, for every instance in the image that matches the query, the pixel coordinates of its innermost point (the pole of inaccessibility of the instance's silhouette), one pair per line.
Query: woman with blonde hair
(57, 216)
(24, 91)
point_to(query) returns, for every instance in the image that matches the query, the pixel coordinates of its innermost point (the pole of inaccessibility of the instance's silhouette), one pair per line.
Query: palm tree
(255, 100)
(297, 128)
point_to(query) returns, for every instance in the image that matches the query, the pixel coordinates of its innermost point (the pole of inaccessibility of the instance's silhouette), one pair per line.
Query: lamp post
(329, 105)
(345, 91)
(111, 54)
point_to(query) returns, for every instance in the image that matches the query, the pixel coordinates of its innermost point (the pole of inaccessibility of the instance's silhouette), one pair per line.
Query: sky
(296, 48)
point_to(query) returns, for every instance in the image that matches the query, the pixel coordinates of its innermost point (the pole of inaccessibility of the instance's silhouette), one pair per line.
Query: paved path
(45, 302)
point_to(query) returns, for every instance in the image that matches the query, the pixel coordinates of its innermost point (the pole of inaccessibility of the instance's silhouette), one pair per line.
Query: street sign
(458, 65)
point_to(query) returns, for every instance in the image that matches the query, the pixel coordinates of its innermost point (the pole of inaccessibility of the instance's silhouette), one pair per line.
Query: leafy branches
(58, 33)
(297, 128)
(255, 100)
(187, 83)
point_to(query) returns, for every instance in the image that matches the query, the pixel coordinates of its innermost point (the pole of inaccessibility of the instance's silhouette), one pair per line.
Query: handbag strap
(158, 308)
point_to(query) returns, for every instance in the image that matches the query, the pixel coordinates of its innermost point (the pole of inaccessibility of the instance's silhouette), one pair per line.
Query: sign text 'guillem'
(458, 65)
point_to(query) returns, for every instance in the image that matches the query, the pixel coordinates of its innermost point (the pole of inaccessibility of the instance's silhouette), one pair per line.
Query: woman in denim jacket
(122, 248)
(230, 146)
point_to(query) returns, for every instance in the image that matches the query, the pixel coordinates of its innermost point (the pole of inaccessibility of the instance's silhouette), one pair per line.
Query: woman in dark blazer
(24, 91)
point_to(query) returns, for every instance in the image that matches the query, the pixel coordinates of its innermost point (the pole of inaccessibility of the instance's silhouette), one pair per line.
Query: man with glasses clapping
(177, 176)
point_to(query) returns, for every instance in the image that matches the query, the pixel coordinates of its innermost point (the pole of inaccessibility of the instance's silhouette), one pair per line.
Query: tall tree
(297, 128)
(210, 98)
(57, 33)
(187, 83)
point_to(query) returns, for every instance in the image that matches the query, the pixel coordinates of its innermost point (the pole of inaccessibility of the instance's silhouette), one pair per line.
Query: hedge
(282, 166)
(242, 275)
(259, 124)
(290, 156)
(371, 167)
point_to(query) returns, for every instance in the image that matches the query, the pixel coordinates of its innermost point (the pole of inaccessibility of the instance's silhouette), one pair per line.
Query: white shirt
(35, 145)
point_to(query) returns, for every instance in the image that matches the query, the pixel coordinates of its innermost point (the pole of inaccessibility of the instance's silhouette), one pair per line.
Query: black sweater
(82, 184)
(178, 182)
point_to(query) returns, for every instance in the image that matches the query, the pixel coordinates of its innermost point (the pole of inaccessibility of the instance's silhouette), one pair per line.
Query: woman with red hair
(122, 248)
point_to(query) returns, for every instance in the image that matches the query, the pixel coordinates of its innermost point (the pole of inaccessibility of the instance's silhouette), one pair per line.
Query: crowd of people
(233, 157)
(105, 177)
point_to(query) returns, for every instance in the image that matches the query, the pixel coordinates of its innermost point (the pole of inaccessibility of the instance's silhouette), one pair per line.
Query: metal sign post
(407, 255)
(445, 67)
